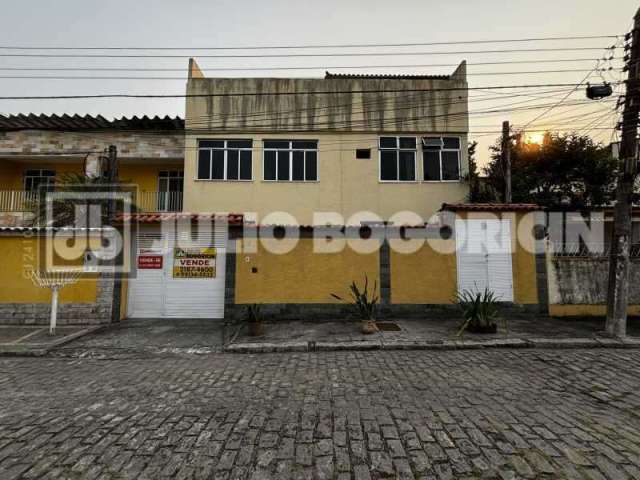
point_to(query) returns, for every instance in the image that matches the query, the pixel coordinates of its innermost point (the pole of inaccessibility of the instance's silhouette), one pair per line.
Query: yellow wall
(144, 176)
(345, 184)
(586, 310)
(424, 277)
(18, 255)
(301, 276)
(430, 277)
(12, 173)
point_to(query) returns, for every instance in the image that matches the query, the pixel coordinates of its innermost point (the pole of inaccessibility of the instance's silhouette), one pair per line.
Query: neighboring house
(36, 151)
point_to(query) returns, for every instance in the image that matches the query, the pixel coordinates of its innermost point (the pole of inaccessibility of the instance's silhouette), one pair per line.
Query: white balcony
(17, 201)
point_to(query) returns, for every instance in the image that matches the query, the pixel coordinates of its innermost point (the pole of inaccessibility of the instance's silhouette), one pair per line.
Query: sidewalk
(35, 340)
(301, 336)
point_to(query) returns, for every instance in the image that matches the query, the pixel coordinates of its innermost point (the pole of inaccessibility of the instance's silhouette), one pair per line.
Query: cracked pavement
(334, 415)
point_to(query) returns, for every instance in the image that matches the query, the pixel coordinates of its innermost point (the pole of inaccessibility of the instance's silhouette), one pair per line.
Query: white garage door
(484, 257)
(161, 288)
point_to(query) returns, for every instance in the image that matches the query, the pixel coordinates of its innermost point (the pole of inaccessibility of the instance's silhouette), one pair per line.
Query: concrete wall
(389, 105)
(578, 286)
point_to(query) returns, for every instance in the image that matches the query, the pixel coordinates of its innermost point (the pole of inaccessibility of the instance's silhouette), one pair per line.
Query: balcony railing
(159, 201)
(17, 200)
(23, 201)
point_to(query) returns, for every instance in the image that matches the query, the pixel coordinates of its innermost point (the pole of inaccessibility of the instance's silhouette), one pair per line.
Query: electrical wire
(254, 94)
(325, 67)
(306, 55)
(347, 45)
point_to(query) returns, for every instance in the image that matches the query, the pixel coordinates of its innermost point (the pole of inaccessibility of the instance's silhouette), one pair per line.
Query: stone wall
(131, 145)
(68, 313)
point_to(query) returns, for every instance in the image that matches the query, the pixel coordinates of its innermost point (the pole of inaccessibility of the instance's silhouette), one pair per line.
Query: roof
(87, 122)
(375, 76)
(231, 218)
(491, 207)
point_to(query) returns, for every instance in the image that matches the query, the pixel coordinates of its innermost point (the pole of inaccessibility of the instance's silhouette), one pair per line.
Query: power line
(347, 45)
(182, 79)
(257, 94)
(325, 67)
(303, 55)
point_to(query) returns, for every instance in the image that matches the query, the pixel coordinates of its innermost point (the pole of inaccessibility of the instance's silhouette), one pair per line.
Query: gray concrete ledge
(380, 344)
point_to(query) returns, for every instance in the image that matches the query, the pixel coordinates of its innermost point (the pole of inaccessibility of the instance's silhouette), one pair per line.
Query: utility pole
(112, 179)
(112, 175)
(506, 160)
(618, 294)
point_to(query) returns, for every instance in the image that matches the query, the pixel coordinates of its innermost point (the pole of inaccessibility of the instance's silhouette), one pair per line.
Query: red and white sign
(150, 262)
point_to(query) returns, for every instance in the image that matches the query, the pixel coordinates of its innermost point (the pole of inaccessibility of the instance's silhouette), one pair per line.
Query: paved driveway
(140, 338)
(347, 415)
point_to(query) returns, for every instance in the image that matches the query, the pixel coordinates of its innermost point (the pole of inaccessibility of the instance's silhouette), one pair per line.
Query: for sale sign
(194, 262)
(150, 262)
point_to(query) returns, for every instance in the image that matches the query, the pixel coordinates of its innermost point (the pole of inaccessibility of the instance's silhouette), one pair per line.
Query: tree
(566, 169)
(67, 212)
(479, 190)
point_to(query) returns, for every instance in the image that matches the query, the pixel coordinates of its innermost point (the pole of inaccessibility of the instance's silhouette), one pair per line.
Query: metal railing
(17, 200)
(159, 201)
(24, 201)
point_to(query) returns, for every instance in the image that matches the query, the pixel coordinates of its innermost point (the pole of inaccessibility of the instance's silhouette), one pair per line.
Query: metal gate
(157, 290)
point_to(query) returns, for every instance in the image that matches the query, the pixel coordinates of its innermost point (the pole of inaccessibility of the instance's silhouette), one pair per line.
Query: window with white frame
(441, 159)
(225, 160)
(37, 179)
(290, 160)
(397, 159)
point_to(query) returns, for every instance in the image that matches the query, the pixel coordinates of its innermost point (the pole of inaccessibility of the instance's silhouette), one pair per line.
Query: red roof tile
(491, 207)
(232, 218)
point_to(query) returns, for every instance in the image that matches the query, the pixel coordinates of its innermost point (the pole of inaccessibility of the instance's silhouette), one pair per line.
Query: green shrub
(480, 310)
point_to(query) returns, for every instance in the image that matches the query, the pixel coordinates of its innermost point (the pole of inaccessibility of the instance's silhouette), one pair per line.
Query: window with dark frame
(225, 160)
(441, 159)
(398, 159)
(36, 179)
(290, 160)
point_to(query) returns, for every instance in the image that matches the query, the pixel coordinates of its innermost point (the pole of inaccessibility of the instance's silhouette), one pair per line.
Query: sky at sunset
(235, 23)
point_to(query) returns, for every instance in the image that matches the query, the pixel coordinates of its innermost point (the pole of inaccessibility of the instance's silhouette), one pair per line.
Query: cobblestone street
(349, 415)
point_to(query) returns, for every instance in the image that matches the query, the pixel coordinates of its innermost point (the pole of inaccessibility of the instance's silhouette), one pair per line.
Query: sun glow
(534, 138)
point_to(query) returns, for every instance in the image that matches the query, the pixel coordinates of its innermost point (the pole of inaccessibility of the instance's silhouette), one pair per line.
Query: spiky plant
(364, 303)
(480, 310)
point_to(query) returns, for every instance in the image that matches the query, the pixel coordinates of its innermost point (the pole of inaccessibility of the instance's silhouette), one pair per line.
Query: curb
(513, 343)
(41, 349)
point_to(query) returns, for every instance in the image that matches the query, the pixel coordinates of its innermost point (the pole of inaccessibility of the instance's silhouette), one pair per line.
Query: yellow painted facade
(345, 185)
(144, 176)
(12, 172)
(301, 276)
(424, 277)
(19, 255)
(430, 277)
(587, 310)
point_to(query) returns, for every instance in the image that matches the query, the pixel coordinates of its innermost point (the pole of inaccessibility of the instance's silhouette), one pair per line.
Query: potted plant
(255, 320)
(364, 304)
(480, 311)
